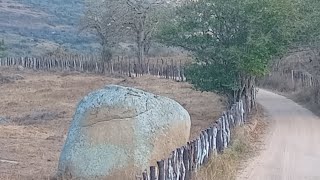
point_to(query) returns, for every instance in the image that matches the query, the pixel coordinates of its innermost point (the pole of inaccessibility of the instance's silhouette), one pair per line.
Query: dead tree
(143, 21)
(104, 19)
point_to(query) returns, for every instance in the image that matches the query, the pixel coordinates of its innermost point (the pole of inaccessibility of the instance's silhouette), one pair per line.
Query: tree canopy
(232, 40)
(308, 34)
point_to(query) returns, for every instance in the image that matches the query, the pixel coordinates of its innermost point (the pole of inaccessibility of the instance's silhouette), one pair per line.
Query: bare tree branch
(114, 21)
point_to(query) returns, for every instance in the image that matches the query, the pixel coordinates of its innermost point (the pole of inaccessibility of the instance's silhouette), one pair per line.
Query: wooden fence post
(145, 175)
(169, 169)
(153, 175)
(161, 168)
(186, 158)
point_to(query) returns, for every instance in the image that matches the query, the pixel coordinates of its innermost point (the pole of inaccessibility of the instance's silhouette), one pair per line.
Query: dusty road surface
(292, 148)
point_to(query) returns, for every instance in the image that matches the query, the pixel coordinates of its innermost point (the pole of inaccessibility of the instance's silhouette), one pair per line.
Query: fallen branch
(8, 161)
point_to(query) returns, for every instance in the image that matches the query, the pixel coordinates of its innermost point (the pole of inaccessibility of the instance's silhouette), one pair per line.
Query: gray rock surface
(4, 120)
(118, 131)
(20, 68)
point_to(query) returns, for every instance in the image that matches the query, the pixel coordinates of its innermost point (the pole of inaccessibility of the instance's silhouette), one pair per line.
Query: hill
(35, 27)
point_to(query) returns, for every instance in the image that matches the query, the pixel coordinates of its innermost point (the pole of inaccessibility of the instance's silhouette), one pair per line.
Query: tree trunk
(249, 94)
(106, 57)
(252, 92)
(242, 83)
(247, 100)
(140, 44)
(146, 46)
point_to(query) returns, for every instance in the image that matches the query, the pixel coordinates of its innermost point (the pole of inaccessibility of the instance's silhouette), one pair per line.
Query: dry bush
(310, 97)
(244, 145)
(277, 81)
(10, 79)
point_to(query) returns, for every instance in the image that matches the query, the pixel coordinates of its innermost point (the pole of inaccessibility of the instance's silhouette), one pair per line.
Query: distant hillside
(35, 27)
(39, 27)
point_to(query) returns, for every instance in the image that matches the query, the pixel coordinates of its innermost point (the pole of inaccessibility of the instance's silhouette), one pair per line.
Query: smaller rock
(20, 68)
(17, 77)
(3, 120)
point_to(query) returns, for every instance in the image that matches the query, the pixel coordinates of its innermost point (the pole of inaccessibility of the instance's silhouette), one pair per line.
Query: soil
(36, 110)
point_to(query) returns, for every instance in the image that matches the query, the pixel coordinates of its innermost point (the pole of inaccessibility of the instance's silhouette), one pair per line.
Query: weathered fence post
(153, 175)
(161, 168)
(145, 175)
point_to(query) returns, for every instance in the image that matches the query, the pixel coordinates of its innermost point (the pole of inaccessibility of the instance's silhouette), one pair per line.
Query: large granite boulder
(118, 132)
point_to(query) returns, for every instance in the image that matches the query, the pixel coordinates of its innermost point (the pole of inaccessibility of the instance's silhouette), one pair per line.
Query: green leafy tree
(308, 34)
(232, 40)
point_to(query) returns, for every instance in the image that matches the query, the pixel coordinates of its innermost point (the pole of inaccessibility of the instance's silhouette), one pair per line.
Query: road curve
(292, 145)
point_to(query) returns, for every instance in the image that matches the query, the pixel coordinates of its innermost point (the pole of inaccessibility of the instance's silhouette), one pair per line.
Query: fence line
(211, 142)
(168, 69)
(303, 79)
(297, 79)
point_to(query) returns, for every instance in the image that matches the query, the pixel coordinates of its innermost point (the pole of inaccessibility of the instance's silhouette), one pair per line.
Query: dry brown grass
(39, 109)
(245, 143)
(308, 97)
(277, 81)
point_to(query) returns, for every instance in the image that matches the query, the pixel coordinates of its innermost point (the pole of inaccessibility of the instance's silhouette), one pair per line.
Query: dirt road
(292, 148)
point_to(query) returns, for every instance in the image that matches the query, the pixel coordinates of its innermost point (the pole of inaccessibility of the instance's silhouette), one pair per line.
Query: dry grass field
(36, 109)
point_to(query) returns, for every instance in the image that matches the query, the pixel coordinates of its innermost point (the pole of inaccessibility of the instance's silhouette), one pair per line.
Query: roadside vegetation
(245, 145)
(232, 41)
(303, 57)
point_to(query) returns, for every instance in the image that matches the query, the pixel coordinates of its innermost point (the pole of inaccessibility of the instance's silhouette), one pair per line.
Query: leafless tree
(116, 20)
(105, 19)
(143, 20)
